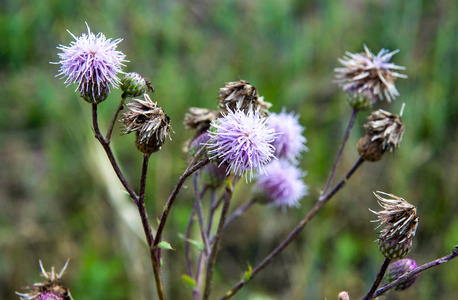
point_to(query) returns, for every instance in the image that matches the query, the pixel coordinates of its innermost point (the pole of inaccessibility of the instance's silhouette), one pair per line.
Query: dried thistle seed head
(383, 132)
(51, 289)
(397, 269)
(399, 222)
(199, 119)
(240, 95)
(134, 85)
(149, 122)
(369, 74)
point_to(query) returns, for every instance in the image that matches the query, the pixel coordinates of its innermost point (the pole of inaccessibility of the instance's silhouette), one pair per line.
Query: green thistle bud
(93, 94)
(134, 85)
(399, 268)
(399, 222)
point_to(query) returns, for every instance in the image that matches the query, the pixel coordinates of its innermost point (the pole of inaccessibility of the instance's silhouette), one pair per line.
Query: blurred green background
(59, 198)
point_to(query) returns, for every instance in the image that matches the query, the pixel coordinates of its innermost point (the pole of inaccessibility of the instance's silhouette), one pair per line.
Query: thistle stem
(115, 116)
(324, 198)
(238, 212)
(342, 146)
(216, 245)
(168, 206)
(200, 215)
(416, 271)
(378, 279)
(109, 153)
(147, 228)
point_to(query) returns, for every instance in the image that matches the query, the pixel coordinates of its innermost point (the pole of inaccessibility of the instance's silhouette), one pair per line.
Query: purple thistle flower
(93, 62)
(49, 296)
(290, 142)
(282, 184)
(243, 141)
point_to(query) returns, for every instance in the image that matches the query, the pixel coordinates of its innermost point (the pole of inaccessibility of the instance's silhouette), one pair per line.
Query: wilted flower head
(397, 269)
(399, 222)
(383, 132)
(149, 122)
(199, 119)
(369, 76)
(240, 95)
(290, 142)
(52, 289)
(243, 141)
(282, 183)
(92, 62)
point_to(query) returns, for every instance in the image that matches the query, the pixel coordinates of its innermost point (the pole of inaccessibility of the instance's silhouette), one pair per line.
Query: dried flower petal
(240, 95)
(369, 76)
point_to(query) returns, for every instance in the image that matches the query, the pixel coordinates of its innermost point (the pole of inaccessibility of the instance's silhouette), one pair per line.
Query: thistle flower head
(240, 95)
(290, 142)
(397, 269)
(368, 75)
(399, 222)
(243, 141)
(52, 289)
(199, 119)
(149, 122)
(134, 85)
(383, 132)
(92, 62)
(282, 184)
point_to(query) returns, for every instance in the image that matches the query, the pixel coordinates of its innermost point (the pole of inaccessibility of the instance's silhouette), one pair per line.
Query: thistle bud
(149, 122)
(134, 85)
(196, 144)
(240, 95)
(199, 119)
(383, 133)
(52, 289)
(344, 296)
(399, 222)
(399, 268)
(369, 76)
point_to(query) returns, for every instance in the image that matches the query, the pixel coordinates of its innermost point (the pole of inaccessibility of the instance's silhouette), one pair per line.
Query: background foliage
(58, 196)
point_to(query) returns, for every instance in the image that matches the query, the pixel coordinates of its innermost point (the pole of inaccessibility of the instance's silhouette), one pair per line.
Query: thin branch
(216, 245)
(200, 215)
(115, 116)
(238, 212)
(168, 206)
(107, 148)
(324, 198)
(378, 279)
(342, 146)
(416, 271)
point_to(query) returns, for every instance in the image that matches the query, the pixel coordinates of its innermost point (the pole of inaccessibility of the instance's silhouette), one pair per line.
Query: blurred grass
(54, 203)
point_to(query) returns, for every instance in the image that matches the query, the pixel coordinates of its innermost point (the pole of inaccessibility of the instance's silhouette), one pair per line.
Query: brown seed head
(199, 119)
(399, 222)
(240, 95)
(369, 74)
(386, 127)
(52, 285)
(149, 122)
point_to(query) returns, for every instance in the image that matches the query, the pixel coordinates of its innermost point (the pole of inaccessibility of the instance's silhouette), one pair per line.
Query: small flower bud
(397, 269)
(361, 100)
(134, 85)
(240, 95)
(149, 122)
(344, 295)
(399, 223)
(214, 175)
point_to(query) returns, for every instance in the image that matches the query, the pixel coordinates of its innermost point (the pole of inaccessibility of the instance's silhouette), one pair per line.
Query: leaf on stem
(199, 245)
(165, 245)
(189, 281)
(247, 274)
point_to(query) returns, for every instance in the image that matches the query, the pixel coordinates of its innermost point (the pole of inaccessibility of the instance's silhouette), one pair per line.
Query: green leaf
(247, 274)
(165, 245)
(189, 281)
(199, 245)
